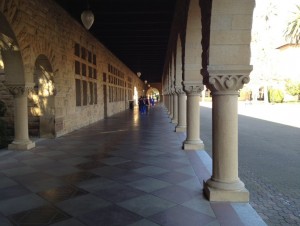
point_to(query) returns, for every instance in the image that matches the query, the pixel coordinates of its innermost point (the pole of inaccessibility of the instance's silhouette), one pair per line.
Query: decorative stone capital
(19, 89)
(192, 87)
(228, 79)
(228, 82)
(179, 90)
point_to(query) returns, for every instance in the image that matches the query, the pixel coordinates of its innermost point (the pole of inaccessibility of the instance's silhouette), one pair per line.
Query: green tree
(292, 32)
(293, 88)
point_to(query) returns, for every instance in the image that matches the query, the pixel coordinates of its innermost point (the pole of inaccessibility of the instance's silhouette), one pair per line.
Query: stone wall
(44, 28)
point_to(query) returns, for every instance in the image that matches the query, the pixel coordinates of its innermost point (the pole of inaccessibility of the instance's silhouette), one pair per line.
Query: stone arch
(42, 48)
(42, 100)
(10, 52)
(154, 93)
(193, 48)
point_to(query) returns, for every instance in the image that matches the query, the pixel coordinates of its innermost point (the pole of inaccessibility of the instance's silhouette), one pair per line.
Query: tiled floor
(128, 169)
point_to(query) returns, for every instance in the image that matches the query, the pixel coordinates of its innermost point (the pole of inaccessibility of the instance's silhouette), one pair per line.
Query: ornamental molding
(179, 90)
(20, 89)
(228, 82)
(231, 78)
(192, 87)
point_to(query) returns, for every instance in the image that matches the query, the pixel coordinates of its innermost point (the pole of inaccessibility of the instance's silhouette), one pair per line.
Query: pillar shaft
(171, 105)
(165, 101)
(21, 118)
(21, 139)
(181, 126)
(224, 184)
(175, 109)
(193, 141)
(225, 138)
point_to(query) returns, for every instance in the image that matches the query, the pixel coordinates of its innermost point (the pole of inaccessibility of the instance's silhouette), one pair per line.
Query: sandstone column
(21, 139)
(168, 103)
(181, 126)
(165, 101)
(193, 91)
(171, 104)
(225, 185)
(175, 108)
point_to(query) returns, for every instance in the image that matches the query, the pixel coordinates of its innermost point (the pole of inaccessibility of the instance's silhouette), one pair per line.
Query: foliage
(292, 32)
(292, 88)
(245, 94)
(275, 95)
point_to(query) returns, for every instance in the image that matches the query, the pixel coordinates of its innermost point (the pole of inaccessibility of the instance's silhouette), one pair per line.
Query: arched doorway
(41, 101)
(153, 93)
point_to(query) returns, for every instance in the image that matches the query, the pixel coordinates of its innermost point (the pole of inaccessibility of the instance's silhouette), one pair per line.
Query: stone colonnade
(221, 62)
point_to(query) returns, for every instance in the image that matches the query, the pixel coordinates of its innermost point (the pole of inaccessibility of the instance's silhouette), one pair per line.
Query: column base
(174, 121)
(180, 129)
(193, 145)
(16, 145)
(219, 195)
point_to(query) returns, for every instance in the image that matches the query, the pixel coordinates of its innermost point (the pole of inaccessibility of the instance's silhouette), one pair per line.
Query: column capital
(228, 79)
(192, 87)
(19, 89)
(179, 90)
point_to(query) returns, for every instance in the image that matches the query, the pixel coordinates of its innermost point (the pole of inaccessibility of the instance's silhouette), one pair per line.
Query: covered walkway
(128, 169)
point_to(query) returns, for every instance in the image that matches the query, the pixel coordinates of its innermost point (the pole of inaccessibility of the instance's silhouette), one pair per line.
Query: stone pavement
(128, 169)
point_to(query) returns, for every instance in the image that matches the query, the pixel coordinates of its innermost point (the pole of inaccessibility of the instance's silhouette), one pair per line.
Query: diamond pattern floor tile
(176, 194)
(12, 192)
(61, 193)
(44, 215)
(110, 172)
(128, 169)
(6, 182)
(149, 184)
(22, 203)
(78, 177)
(119, 193)
(97, 184)
(18, 171)
(200, 204)
(144, 222)
(69, 222)
(109, 216)
(150, 170)
(146, 205)
(90, 165)
(131, 165)
(173, 177)
(82, 204)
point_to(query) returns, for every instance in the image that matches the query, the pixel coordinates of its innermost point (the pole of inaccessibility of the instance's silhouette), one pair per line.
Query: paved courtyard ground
(269, 157)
